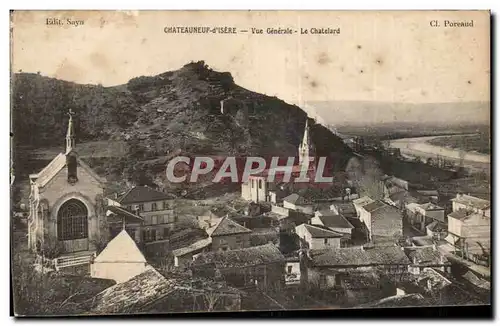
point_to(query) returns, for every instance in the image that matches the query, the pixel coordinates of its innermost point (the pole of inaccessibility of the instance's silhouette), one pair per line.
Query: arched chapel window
(72, 221)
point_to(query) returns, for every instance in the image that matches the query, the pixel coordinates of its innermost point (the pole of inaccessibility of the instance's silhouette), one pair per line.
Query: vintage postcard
(221, 161)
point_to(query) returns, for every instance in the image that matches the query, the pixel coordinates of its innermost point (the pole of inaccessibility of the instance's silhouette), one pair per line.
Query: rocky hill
(158, 115)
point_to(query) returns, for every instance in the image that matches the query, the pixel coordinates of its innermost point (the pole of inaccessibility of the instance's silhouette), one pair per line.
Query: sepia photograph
(186, 162)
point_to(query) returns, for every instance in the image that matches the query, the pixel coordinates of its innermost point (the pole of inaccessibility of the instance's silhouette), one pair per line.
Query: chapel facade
(67, 209)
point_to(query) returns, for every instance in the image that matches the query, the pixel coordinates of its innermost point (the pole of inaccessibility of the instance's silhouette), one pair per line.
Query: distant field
(479, 143)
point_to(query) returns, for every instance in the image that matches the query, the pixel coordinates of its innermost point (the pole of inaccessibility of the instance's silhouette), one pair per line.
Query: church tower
(306, 148)
(70, 135)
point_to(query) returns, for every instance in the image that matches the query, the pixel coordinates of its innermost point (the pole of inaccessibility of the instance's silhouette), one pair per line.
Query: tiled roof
(251, 256)
(198, 245)
(472, 201)
(425, 256)
(335, 221)
(141, 194)
(295, 199)
(318, 231)
(122, 212)
(384, 211)
(227, 226)
(133, 295)
(431, 206)
(346, 209)
(360, 257)
(121, 249)
(138, 293)
(374, 206)
(407, 300)
(362, 201)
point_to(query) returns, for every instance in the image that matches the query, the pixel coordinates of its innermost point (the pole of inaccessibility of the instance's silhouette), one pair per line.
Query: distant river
(418, 146)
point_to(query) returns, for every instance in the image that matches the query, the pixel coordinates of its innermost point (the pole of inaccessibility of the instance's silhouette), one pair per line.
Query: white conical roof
(121, 249)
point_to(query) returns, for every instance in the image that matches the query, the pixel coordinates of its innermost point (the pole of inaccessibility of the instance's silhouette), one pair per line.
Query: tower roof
(121, 249)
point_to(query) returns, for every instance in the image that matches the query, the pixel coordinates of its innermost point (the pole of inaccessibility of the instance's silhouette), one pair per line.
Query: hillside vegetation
(155, 116)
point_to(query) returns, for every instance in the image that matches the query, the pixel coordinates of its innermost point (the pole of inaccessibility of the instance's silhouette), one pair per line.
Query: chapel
(67, 210)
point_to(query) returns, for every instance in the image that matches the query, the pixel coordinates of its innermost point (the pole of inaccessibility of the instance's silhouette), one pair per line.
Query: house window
(176, 219)
(325, 241)
(153, 207)
(166, 233)
(129, 208)
(141, 207)
(322, 280)
(289, 269)
(154, 219)
(149, 235)
(72, 221)
(164, 205)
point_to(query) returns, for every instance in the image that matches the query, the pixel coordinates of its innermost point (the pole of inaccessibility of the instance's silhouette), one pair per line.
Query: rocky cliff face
(194, 109)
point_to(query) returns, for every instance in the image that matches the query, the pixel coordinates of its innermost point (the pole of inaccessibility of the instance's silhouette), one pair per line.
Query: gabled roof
(121, 249)
(431, 207)
(365, 200)
(360, 257)
(251, 256)
(317, 231)
(373, 206)
(198, 245)
(57, 164)
(472, 201)
(132, 295)
(347, 209)
(143, 291)
(425, 256)
(295, 199)
(122, 212)
(141, 194)
(227, 226)
(335, 221)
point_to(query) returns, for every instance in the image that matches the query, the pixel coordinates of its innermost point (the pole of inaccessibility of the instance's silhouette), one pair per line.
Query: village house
(298, 203)
(471, 203)
(354, 273)
(120, 260)
(421, 215)
(334, 222)
(318, 236)
(260, 266)
(383, 222)
(155, 209)
(422, 257)
(151, 292)
(345, 209)
(185, 255)
(119, 218)
(67, 220)
(212, 217)
(469, 233)
(358, 205)
(229, 235)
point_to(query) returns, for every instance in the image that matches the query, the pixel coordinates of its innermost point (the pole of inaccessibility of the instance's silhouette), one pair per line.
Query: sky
(378, 56)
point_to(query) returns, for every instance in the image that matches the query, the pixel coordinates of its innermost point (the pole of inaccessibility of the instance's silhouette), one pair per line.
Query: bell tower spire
(70, 135)
(306, 148)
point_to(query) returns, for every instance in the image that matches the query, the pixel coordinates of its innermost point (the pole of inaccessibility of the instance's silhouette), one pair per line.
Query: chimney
(429, 285)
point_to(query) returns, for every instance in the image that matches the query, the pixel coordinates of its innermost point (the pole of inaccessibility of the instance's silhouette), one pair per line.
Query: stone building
(67, 219)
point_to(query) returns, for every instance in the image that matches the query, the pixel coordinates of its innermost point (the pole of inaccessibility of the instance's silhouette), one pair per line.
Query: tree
(369, 181)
